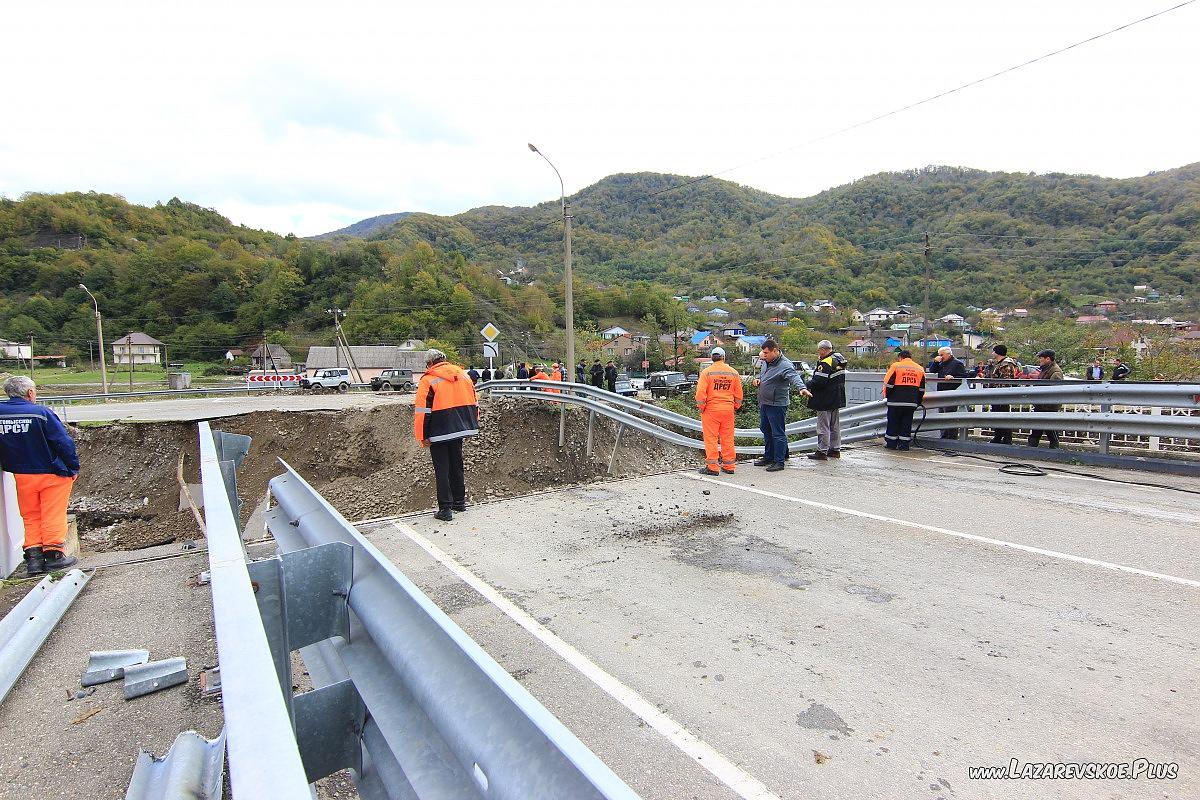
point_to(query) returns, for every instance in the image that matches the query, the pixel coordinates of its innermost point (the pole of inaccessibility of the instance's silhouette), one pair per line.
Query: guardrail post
(591, 425)
(616, 444)
(1155, 441)
(1105, 438)
(302, 600)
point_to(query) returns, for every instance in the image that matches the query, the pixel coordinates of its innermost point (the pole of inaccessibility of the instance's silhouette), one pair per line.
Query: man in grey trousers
(826, 393)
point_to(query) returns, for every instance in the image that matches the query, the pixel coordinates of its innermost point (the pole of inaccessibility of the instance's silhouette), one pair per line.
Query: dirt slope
(365, 462)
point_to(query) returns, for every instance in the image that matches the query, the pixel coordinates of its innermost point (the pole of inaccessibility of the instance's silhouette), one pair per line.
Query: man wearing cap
(36, 449)
(1050, 372)
(826, 393)
(718, 396)
(446, 413)
(1002, 367)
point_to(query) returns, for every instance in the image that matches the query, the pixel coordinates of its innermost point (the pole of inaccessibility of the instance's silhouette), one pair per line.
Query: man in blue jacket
(36, 449)
(776, 376)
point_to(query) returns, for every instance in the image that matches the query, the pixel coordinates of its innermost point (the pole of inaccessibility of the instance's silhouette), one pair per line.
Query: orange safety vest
(542, 376)
(904, 383)
(719, 388)
(445, 402)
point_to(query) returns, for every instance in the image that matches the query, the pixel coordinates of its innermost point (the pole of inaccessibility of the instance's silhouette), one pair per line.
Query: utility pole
(31, 356)
(129, 357)
(675, 325)
(99, 338)
(928, 326)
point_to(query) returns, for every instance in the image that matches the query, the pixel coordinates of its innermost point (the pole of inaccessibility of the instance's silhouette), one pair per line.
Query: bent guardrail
(402, 696)
(438, 716)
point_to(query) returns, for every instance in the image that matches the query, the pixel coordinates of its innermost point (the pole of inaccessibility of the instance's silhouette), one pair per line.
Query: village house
(613, 332)
(750, 344)
(1105, 307)
(138, 348)
(271, 357)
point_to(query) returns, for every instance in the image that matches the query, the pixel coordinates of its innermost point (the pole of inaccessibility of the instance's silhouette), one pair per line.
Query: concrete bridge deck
(864, 628)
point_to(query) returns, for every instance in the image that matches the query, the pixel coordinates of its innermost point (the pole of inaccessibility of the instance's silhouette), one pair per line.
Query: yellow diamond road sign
(490, 332)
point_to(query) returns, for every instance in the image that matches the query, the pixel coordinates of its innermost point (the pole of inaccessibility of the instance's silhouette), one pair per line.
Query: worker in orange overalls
(718, 396)
(903, 389)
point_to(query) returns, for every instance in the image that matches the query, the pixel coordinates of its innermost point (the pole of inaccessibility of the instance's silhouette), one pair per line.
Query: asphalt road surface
(870, 627)
(217, 406)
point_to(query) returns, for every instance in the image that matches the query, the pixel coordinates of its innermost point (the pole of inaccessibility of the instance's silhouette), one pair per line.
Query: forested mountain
(365, 227)
(185, 275)
(996, 238)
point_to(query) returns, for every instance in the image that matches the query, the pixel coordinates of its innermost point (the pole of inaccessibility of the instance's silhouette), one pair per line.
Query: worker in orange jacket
(903, 389)
(718, 396)
(445, 413)
(539, 374)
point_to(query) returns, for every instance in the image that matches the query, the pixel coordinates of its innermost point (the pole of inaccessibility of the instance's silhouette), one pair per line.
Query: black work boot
(762, 462)
(444, 514)
(56, 559)
(817, 455)
(35, 561)
(835, 453)
(707, 471)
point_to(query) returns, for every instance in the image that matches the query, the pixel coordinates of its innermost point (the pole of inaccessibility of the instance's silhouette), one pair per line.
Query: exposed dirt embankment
(364, 461)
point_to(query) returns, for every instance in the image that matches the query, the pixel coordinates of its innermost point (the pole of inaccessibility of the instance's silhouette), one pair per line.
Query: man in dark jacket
(473, 374)
(1121, 370)
(610, 376)
(36, 449)
(486, 375)
(581, 372)
(826, 393)
(522, 372)
(946, 367)
(1050, 372)
(597, 374)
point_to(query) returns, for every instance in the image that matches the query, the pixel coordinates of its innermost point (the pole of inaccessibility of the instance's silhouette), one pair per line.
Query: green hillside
(187, 276)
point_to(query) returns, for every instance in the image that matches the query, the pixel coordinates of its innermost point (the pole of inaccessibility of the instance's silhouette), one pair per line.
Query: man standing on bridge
(776, 376)
(446, 413)
(826, 393)
(903, 389)
(36, 449)
(718, 396)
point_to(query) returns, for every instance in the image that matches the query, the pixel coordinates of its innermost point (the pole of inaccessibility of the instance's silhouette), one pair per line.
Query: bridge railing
(1131, 412)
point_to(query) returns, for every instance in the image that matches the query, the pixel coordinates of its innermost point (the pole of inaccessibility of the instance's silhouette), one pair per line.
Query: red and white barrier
(272, 379)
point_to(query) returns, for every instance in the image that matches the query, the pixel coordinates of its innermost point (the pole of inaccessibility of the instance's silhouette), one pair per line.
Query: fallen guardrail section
(1121, 412)
(25, 629)
(401, 695)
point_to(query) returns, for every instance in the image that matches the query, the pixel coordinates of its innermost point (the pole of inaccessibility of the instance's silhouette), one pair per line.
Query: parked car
(669, 384)
(394, 380)
(337, 379)
(625, 386)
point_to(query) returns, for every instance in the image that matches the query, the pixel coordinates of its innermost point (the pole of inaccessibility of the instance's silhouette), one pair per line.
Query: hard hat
(717, 351)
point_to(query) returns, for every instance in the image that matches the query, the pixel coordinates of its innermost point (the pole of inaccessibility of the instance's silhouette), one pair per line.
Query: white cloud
(305, 117)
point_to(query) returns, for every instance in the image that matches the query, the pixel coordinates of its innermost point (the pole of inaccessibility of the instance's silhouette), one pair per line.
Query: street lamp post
(99, 339)
(569, 294)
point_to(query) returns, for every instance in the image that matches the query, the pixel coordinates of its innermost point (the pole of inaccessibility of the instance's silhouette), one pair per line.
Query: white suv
(331, 379)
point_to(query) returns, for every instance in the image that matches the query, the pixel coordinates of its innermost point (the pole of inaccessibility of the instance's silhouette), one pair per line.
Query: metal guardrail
(402, 695)
(866, 421)
(438, 716)
(25, 629)
(71, 398)
(264, 759)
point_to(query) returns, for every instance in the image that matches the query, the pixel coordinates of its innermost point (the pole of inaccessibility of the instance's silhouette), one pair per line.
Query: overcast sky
(304, 117)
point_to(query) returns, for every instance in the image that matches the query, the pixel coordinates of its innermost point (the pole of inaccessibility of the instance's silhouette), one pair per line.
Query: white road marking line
(957, 534)
(724, 770)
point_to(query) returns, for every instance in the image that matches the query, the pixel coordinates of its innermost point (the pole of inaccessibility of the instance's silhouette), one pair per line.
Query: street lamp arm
(562, 188)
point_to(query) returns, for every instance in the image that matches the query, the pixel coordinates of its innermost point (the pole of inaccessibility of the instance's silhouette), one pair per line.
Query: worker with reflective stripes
(446, 413)
(718, 396)
(36, 449)
(903, 389)
(539, 374)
